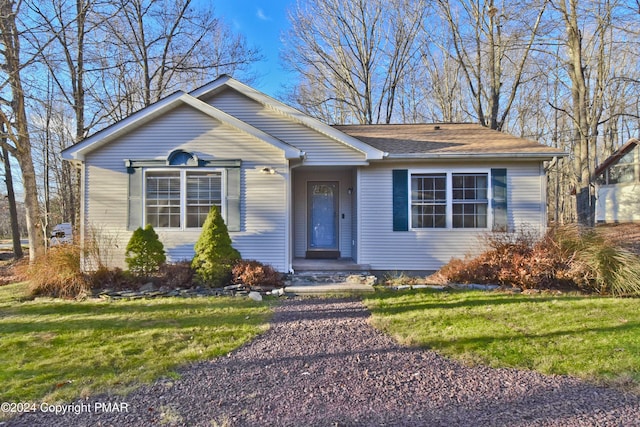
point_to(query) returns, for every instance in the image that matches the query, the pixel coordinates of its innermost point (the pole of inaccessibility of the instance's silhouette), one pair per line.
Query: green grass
(56, 350)
(594, 338)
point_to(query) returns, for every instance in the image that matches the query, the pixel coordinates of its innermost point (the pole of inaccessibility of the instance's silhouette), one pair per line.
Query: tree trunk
(18, 130)
(580, 98)
(13, 211)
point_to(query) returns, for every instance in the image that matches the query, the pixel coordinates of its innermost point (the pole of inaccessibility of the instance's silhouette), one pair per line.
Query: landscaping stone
(362, 279)
(277, 292)
(196, 292)
(148, 287)
(255, 296)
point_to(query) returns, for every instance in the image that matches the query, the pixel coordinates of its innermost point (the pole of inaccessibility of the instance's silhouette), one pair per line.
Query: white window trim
(449, 209)
(183, 194)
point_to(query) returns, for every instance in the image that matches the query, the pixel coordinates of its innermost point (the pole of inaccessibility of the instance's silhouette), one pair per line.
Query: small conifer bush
(145, 252)
(214, 256)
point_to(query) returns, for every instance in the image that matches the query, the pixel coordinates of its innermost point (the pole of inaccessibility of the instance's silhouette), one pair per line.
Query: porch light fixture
(268, 171)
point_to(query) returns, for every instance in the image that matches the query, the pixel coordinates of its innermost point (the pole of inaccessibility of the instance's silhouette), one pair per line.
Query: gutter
(476, 155)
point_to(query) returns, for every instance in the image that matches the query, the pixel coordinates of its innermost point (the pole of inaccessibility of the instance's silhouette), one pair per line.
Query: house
(391, 197)
(618, 185)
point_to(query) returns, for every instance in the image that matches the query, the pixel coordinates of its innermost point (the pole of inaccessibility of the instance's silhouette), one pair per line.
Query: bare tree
(106, 59)
(443, 83)
(13, 115)
(357, 54)
(11, 200)
(588, 69)
(492, 43)
(153, 47)
(53, 130)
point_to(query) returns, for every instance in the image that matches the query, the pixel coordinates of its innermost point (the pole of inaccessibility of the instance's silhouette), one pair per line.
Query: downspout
(289, 218)
(83, 218)
(543, 198)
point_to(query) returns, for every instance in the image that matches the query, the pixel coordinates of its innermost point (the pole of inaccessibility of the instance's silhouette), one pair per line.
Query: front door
(322, 214)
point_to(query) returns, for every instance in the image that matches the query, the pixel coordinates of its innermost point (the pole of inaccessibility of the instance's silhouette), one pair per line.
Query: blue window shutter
(134, 208)
(233, 219)
(400, 200)
(499, 201)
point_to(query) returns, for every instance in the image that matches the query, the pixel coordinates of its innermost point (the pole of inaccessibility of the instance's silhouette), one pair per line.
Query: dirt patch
(8, 271)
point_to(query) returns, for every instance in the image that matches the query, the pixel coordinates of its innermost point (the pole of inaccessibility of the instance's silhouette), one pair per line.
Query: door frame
(323, 253)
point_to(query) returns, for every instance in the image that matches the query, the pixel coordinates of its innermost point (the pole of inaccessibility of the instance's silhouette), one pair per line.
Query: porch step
(328, 288)
(324, 277)
(314, 282)
(317, 276)
(328, 265)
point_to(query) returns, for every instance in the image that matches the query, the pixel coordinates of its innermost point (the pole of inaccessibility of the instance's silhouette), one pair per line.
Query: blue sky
(262, 23)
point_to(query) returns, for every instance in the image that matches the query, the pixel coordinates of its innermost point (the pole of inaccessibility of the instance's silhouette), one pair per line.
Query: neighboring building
(618, 185)
(392, 197)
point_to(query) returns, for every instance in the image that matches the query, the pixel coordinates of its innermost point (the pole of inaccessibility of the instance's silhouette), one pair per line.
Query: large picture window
(449, 200)
(181, 199)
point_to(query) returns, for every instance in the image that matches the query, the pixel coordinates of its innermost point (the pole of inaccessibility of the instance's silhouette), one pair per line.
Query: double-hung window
(181, 198)
(429, 200)
(449, 200)
(204, 189)
(469, 200)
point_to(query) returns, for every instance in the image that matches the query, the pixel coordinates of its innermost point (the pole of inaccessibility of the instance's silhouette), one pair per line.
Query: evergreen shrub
(214, 256)
(145, 252)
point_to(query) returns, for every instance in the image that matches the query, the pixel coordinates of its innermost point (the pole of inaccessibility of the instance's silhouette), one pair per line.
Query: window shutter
(499, 201)
(400, 200)
(134, 208)
(233, 199)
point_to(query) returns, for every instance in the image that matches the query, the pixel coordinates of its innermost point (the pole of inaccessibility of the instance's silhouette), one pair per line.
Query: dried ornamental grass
(566, 257)
(57, 274)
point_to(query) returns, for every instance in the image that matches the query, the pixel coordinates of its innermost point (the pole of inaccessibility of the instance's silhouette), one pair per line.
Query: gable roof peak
(226, 81)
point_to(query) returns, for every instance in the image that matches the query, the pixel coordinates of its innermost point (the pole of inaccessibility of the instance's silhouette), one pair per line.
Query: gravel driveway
(321, 364)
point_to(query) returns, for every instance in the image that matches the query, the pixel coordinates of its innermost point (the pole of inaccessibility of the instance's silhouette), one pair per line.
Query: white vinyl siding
(429, 249)
(263, 196)
(319, 148)
(618, 190)
(618, 203)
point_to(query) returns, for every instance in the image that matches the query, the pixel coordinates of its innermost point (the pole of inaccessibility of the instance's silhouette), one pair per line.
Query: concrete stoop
(323, 282)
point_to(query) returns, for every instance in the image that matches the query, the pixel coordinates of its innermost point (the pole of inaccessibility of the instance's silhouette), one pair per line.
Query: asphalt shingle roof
(443, 138)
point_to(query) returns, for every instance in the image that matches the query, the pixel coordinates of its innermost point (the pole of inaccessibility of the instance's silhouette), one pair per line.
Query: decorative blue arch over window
(182, 158)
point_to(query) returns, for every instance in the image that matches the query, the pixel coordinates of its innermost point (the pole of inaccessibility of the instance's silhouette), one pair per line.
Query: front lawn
(54, 350)
(594, 338)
